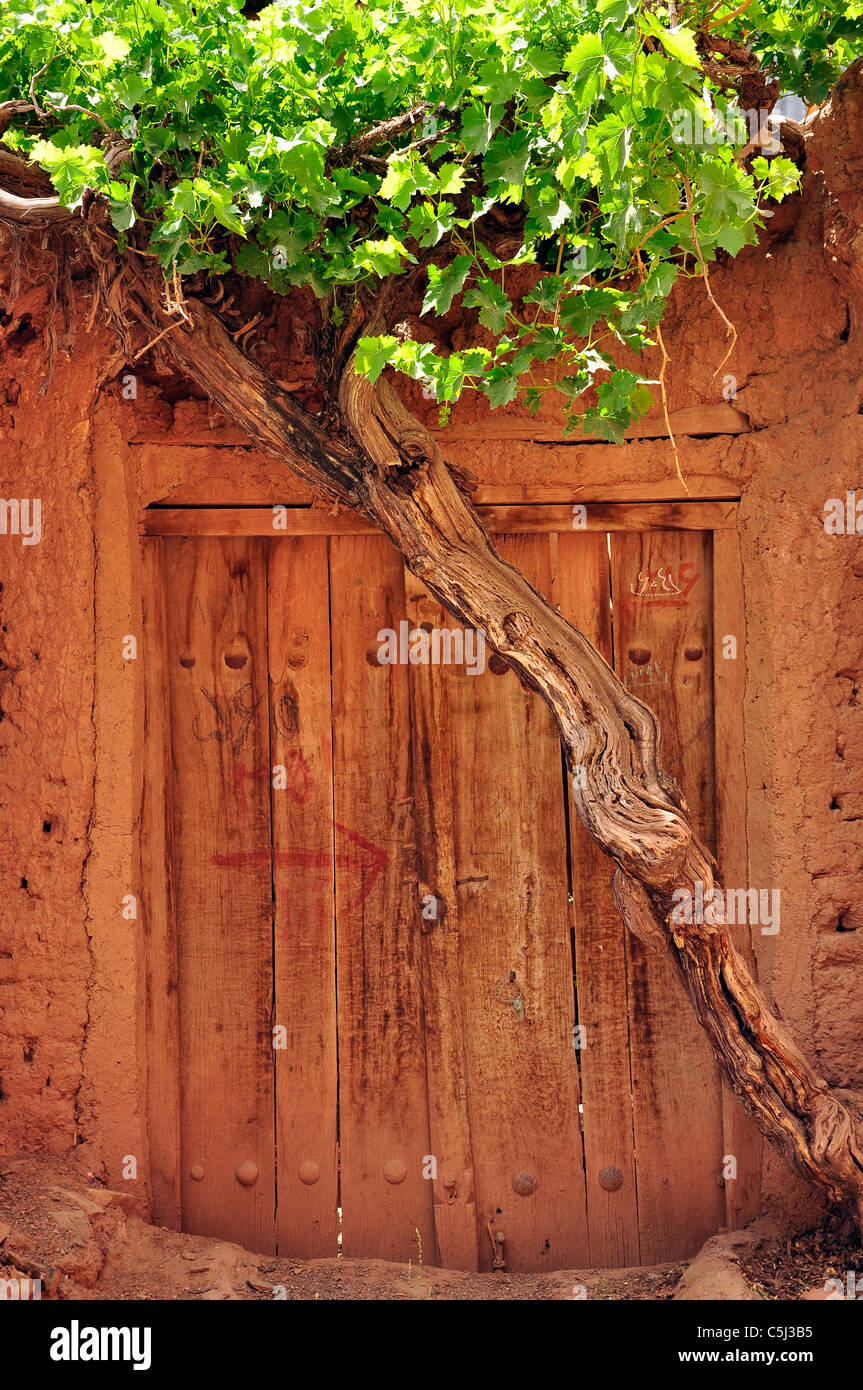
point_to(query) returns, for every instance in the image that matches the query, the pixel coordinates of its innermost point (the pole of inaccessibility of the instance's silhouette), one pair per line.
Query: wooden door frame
(158, 1007)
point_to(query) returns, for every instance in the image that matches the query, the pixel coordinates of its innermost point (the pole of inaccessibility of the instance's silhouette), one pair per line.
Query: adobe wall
(73, 1069)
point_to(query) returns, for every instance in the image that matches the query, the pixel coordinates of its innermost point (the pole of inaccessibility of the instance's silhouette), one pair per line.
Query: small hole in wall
(840, 925)
(24, 883)
(46, 826)
(27, 1051)
(835, 805)
(23, 331)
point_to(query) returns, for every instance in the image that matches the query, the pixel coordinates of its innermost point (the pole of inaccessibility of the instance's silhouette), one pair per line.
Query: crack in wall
(90, 983)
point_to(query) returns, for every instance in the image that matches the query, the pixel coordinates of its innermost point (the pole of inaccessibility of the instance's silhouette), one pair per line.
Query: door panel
(300, 711)
(662, 585)
(383, 1097)
(582, 589)
(217, 663)
(377, 982)
(516, 978)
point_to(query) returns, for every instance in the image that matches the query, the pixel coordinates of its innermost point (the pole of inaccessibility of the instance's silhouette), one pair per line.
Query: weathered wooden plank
(254, 521)
(567, 473)
(383, 1098)
(304, 942)
(662, 591)
(217, 667)
(518, 998)
(570, 484)
(520, 518)
(608, 516)
(158, 923)
(742, 1138)
(582, 582)
(435, 783)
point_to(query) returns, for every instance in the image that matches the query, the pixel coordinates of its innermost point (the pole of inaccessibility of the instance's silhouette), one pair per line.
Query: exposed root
(16, 239)
(729, 326)
(665, 361)
(663, 390)
(50, 330)
(154, 341)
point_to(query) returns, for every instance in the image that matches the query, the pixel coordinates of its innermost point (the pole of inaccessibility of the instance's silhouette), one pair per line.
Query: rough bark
(31, 212)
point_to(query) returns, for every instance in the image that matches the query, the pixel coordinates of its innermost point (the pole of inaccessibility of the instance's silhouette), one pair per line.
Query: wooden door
(391, 1009)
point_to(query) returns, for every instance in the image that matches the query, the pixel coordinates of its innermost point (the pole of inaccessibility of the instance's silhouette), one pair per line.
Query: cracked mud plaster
(70, 733)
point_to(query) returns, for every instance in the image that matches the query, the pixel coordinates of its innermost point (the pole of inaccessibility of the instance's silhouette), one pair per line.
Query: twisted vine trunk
(375, 457)
(628, 803)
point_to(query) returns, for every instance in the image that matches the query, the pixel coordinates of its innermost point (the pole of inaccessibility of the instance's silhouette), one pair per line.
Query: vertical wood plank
(582, 592)
(434, 774)
(519, 1006)
(158, 935)
(383, 1097)
(435, 780)
(742, 1138)
(663, 637)
(217, 667)
(305, 965)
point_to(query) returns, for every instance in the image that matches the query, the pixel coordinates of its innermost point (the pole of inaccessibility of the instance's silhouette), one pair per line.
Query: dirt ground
(58, 1223)
(87, 1242)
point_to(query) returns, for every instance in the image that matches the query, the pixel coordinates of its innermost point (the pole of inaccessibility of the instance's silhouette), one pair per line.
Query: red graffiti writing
(365, 860)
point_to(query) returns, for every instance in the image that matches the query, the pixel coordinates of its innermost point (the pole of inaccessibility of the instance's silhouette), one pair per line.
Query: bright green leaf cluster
(592, 125)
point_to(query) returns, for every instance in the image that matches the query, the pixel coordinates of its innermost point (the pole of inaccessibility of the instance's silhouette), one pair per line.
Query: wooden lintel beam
(521, 518)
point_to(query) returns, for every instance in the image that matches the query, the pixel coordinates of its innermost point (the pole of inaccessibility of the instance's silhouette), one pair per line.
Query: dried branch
(384, 133)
